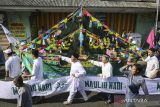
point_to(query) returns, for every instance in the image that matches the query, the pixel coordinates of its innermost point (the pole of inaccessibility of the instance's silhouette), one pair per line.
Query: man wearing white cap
(12, 65)
(107, 71)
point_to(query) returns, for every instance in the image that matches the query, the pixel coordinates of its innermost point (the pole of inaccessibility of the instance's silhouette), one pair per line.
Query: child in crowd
(135, 81)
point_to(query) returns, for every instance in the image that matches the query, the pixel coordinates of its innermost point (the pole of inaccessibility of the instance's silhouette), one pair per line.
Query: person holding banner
(77, 74)
(37, 70)
(37, 73)
(107, 70)
(12, 65)
(152, 64)
(135, 81)
(24, 93)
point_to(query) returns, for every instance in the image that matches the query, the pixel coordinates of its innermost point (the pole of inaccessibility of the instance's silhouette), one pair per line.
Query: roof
(133, 0)
(39, 4)
(92, 3)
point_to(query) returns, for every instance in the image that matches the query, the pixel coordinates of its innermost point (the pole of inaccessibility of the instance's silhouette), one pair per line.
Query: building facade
(25, 17)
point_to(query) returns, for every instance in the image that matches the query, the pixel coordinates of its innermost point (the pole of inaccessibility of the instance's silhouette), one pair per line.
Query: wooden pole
(156, 23)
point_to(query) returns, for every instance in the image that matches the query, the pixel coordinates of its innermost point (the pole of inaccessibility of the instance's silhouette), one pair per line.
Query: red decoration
(24, 47)
(59, 42)
(40, 36)
(85, 12)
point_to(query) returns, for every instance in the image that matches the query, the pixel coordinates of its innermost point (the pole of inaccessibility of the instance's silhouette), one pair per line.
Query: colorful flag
(150, 39)
(46, 37)
(93, 19)
(9, 36)
(90, 24)
(38, 42)
(49, 31)
(87, 13)
(81, 38)
(32, 47)
(99, 24)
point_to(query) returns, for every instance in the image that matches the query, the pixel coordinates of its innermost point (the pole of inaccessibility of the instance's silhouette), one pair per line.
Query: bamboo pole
(156, 22)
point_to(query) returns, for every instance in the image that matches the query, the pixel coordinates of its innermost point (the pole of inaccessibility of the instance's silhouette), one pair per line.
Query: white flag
(9, 36)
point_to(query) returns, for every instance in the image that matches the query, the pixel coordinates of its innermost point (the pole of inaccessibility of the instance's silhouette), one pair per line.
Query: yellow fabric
(38, 42)
(94, 19)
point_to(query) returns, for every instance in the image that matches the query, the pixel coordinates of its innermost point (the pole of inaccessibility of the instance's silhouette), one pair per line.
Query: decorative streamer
(38, 42)
(49, 31)
(43, 42)
(93, 19)
(46, 37)
(81, 38)
(90, 24)
(64, 21)
(95, 23)
(56, 26)
(119, 40)
(40, 36)
(62, 26)
(85, 12)
(99, 25)
(32, 46)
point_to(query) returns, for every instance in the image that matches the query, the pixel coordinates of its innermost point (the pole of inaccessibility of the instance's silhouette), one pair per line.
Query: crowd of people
(132, 70)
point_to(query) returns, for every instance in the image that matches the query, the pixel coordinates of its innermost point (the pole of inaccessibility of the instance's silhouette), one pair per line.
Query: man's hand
(60, 56)
(142, 59)
(26, 75)
(85, 57)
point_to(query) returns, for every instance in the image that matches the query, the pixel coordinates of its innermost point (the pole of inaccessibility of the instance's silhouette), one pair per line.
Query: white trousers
(72, 94)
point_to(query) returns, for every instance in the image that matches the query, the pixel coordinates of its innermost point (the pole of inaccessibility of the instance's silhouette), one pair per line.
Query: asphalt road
(95, 100)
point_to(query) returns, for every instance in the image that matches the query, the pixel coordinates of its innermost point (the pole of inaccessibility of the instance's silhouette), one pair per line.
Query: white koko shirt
(107, 68)
(77, 82)
(37, 70)
(76, 67)
(152, 65)
(13, 66)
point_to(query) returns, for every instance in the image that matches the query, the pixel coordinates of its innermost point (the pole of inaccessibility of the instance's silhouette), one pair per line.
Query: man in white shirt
(107, 70)
(106, 67)
(37, 70)
(12, 65)
(77, 74)
(152, 64)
